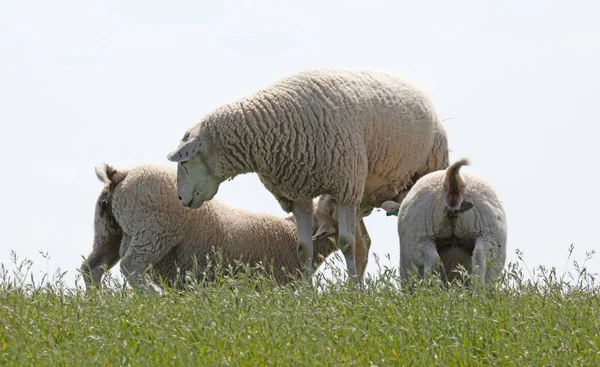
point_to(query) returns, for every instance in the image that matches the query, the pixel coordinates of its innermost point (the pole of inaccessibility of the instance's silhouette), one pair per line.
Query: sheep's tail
(109, 175)
(454, 184)
(107, 230)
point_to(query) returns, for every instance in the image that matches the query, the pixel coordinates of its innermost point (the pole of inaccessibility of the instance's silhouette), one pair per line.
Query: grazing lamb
(326, 219)
(456, 216)
(139, 220)
(357, 135)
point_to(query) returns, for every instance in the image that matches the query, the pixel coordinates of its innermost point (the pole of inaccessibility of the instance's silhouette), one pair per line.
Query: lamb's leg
(363, 245)
(407, 267)
(303, 211)
(479, 261)
(104, 253)
(429, 258)
(346, 240)
(421, 256)
(140, 255)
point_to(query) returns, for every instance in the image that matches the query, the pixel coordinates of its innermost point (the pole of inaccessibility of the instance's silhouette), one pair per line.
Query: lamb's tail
(107, 231)
(110, 175)
(454, 184)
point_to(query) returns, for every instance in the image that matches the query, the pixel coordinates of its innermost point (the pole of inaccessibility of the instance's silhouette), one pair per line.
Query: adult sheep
(457, 217)
(139, 220)
(349, 133)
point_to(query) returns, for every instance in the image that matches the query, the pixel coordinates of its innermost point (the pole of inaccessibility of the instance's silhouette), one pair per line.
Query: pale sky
(84, 82)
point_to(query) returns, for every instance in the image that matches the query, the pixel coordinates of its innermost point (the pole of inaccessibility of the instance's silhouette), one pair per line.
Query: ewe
(357, 135)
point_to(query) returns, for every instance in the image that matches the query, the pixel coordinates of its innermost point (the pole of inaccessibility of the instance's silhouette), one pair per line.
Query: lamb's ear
(324, 230)
(390, 207)
(186, 151)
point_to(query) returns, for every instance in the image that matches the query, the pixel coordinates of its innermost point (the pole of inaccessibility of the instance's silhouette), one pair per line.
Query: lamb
(457, 217)
(358, 135)
(326, 219)
(139, 220)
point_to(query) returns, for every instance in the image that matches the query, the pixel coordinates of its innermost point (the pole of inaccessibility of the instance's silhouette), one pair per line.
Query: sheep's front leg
(479, 261)
(346, 240)
(303, 211)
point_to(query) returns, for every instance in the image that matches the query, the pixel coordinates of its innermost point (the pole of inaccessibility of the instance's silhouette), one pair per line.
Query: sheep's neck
(245, 134)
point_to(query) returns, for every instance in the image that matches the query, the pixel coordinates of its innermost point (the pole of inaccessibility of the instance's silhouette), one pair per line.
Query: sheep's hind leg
(428, 259)
(105, 253)
(139, 256)
(346, 240)
(479, 261)
(303, 211)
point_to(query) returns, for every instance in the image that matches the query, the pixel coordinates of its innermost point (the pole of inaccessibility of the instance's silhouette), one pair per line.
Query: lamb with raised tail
(455, 216)
(357, 135)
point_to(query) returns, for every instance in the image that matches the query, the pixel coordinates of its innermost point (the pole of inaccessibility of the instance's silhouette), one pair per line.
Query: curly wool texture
(423, 220)
(437, 160)
(344, 132)
(142, 222)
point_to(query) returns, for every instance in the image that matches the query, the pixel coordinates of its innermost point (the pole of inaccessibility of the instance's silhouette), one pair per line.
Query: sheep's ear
(186, 151)
(391, 207)
(324, 230)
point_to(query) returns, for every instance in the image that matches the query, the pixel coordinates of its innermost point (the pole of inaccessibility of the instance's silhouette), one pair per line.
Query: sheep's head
(196, 178)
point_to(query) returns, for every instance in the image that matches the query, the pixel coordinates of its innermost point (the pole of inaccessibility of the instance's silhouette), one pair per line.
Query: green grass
(251, 322)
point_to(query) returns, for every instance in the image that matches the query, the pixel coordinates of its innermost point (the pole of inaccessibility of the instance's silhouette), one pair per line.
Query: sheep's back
(146, 201)
(316, 122)
(391, 116)
(423, 213)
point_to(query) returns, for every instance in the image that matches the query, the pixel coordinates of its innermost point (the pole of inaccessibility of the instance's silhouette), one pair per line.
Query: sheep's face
(196, 179)
(196, 183)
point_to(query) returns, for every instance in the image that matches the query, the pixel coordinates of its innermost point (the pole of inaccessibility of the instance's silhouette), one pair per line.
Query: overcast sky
(84, 82)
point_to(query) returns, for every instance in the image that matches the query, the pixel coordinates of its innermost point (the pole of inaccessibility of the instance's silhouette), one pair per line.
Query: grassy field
(252, 322)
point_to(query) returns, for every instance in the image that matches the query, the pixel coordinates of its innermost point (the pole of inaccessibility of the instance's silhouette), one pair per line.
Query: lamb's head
(325, 215)
(196, 178)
